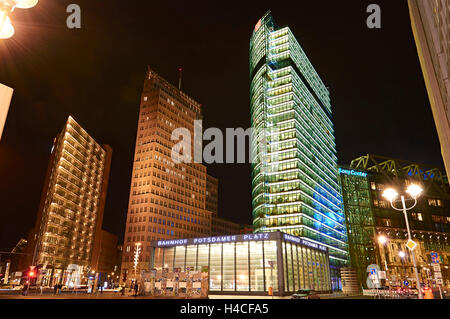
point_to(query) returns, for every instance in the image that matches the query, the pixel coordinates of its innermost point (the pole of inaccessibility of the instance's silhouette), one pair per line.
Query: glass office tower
(294, 171)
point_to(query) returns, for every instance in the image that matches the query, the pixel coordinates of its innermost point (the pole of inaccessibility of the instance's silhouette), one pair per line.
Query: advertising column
(5, 99)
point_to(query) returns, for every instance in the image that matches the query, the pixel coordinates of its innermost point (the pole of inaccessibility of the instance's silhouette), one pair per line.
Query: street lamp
(137, 252)
(414, 191)
(8, 6)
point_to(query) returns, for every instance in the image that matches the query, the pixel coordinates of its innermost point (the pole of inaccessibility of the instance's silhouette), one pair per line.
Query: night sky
(380, 104)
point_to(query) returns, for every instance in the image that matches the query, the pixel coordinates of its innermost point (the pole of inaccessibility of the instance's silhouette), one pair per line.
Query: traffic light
(32, 272)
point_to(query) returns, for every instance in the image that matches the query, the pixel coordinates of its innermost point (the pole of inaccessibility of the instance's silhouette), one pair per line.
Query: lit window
(432, 202)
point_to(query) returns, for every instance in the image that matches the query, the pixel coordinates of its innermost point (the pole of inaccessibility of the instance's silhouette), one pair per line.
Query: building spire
(180, 72)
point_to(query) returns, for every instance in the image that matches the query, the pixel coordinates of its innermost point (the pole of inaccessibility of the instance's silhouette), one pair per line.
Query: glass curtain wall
(360, 222)
(294, 171)
(215, 267)
(251, 266)
(242, 266)
(256, 267)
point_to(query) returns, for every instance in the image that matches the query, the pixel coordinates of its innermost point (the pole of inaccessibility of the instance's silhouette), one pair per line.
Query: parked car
(305, 294)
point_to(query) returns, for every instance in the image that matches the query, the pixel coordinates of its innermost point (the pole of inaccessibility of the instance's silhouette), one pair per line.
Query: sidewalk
(130, 295)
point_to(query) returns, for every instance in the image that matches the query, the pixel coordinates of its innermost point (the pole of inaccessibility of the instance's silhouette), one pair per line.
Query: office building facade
(167, 200)
(249, 264)
(431, 27)
(223, 226)
(294, 172)
(370, 216)
(212, 194)
(65, 242)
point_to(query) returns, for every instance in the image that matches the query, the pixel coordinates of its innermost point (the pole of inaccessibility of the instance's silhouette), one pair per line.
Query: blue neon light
(352, 172)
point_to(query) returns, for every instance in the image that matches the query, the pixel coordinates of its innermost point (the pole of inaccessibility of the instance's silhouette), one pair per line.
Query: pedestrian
(55, 288)
(25, 289)
(136, 288)
(123, 290)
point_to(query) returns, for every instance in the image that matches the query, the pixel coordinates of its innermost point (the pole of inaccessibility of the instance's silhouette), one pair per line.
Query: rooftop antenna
(180, 72)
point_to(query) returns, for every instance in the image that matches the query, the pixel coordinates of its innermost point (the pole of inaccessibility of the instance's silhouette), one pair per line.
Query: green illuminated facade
(360, 221)
(369, 215)
(294, 172)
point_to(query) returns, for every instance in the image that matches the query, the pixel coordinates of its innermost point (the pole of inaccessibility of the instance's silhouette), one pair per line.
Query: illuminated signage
(213, 240)
(352, 172)
(257, 236)
(174, 242)
(238, 238)
(220, 239)
(304, 242)
(292, 238)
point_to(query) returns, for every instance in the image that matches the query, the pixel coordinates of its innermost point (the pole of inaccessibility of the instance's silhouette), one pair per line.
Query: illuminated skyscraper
(294, 176)
(167, 200)
(66, 239)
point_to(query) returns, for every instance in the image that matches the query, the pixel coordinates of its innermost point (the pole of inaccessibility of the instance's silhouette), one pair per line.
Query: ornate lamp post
(414, 191)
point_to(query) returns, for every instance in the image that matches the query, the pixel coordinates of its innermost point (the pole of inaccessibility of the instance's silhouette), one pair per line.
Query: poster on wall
(190, 284)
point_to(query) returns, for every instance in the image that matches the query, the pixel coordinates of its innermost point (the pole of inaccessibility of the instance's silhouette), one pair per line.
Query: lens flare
(390, 194)
(6, 28)
(26, 4)
(414, 190)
